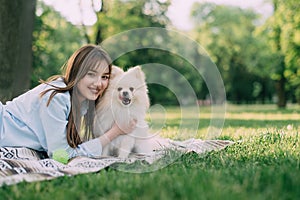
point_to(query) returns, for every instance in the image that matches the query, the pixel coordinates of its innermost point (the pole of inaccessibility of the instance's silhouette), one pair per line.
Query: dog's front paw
(123, 154)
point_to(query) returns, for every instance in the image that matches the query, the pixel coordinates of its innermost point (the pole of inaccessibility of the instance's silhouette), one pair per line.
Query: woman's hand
(115, 131)
(125, 129)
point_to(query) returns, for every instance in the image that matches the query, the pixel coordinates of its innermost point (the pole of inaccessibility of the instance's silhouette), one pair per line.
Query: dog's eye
(119, 89)
(131, 89)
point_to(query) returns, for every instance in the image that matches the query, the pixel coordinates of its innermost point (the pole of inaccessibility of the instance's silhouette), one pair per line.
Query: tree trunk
(16, 26)
(280, 84)
(280, 89)
(99, 35)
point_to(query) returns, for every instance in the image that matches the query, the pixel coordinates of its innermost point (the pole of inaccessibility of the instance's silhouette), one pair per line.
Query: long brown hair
(81, 61)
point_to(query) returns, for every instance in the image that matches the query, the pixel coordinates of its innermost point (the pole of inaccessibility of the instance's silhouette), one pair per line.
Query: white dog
(126, 98)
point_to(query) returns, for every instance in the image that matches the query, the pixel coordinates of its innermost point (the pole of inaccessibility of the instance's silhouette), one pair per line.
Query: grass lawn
(263, 164)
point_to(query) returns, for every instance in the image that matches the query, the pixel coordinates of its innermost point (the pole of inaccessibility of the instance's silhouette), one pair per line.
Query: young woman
(58, 114)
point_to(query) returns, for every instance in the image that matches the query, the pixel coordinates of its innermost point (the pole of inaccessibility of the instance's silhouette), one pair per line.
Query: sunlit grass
(264, 162)
(239, 121)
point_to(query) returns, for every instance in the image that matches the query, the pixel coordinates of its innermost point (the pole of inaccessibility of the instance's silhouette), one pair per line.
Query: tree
(54, 40)
(117, 16)
(283, 31)
(226, 32)
(16, 25)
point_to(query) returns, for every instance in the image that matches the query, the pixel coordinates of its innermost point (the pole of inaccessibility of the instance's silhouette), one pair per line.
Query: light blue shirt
(27, 121)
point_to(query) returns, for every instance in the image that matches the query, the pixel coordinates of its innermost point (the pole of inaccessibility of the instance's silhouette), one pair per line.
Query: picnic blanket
(23, 164)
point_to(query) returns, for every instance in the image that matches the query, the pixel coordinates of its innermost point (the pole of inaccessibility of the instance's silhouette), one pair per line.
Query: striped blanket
(23, 164)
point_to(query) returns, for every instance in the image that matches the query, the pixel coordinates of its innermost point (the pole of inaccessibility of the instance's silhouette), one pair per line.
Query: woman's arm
(54, 121)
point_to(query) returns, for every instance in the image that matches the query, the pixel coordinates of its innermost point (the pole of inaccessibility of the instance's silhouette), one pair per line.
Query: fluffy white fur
(125, 98)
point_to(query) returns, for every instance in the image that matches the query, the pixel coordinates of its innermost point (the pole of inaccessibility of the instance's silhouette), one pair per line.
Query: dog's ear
(137, 71)
(115, 71)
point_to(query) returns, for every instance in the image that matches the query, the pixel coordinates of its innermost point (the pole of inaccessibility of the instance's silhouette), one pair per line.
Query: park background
(257, 53)
(256, 50)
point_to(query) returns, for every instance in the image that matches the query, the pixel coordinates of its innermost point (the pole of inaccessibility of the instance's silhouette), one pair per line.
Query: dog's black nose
(125, 93)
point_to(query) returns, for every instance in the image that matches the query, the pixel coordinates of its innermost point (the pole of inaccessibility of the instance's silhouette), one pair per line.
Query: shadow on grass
(252, 123)
(265, 109)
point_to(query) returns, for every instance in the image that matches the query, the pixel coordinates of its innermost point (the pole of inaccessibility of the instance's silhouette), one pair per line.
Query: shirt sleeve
(54, 118)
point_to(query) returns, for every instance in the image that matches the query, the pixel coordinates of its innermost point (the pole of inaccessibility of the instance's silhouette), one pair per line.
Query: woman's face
(93, 83)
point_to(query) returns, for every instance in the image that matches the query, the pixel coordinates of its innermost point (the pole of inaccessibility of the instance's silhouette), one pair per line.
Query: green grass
(263, 164)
